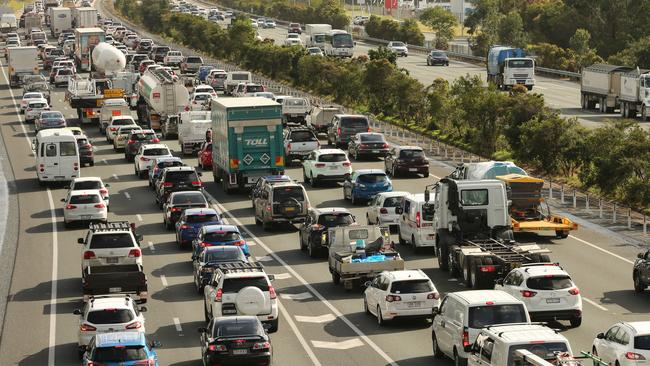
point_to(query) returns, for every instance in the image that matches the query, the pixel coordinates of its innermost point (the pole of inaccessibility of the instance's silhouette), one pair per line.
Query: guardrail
(588, 206)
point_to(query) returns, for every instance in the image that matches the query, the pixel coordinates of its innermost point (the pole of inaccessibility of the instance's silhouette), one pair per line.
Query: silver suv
(280, 203)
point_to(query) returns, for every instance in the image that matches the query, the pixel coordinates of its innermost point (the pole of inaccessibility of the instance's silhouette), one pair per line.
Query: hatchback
(180, 201)
(624, 344)
(84, 205)
(191, 221)
(235, 340)
(121, 349)
(34, 109)
(215, 235)
(145, 156)
(365, 184)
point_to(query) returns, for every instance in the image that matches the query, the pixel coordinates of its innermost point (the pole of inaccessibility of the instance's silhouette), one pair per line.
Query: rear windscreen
(122, 122)
(181, 176)
(393, 201)
(110, 316)
(107, 241)
(87, 185)
(297, 102)
(68, 148)
(372, 138)
(549, 283)
(410, 287)
(332, 158)
(187, 198)
(238, 329)
(333, 220)
(254, 88)
(283, 193)
(411, 154)
(235, 284)
(193, 219)
(37, 105)
(474, 197)
(156, 152)
(120, 354)
(239, 76)
(372, 178)
(359, 123)
(145, 136)
(193, 59)
(303, 136)
(547, 351)
(224, 255)
(642, 342)
(85, 199)
(482, 316)
(221, 236)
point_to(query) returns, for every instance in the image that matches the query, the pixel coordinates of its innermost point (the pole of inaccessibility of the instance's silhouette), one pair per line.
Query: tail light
(433, 296)
(268, 208)
(369, 129)
(338, 131)
(75, 166)
(488, 268)
(279, 161)
(89, 254)
(134, 325)
(70, 207)
(262, 345)
(289, 147)
(363, 146)
(130, 142)
(347, 164)
(168, 184)
(234, 163)
(272, 293)
(100, 205)
(41, 167)
(418, 219)
(391, 298)
(317, 227)
(113, 129)
(528, 294)
(155, 140)
(142, 158)
(574, 291)
(218, 295)
(217, 347)
(465, 338)
(184, 227)
(319, 165)
(176, 209)
(634, 356)
(239, 243)
(147, 362)
(383, 210)
(196, 183)
(134, 253)
(103, 191)
(87, 328)
(385, 146)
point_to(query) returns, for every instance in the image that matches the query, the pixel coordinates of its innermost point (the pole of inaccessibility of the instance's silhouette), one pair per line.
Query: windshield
(333, 220)
(411, 287)
(411, 154)
(193, 219)
(642, 342)
(482, 316)
(520, 63)
(295, 102)
(286, 193)
(393, 201)
(233, 285)
(238, 329)
(357, 123)
(120, 354)
(48, 115)
(372, 178)
(332, 158)
(302, 136)
(221, 236)
(181, 176)
(549, 283)
(113, 240)
(85, 199)
(319, 38)
(194, 59)
(110, 316)
(37, 105)
(32, 96)
(90, 184)
(546, 350)
(188, 198)
(156, 151)
(474, 197)
(144, 136)
(438, 54)
(372, 138)
(342, 40)
(221, 255)
(202, 97)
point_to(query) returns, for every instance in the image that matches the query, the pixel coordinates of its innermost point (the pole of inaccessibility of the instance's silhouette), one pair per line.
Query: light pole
(462, 17)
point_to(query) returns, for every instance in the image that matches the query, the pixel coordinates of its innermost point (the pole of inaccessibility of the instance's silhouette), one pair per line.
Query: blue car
(191, 221)
(159, 166)
(214, 235)
(365, 184)
(203, 72)
(120, 349)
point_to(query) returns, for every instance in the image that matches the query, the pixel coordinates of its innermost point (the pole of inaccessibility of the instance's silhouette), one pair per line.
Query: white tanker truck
(161, 99)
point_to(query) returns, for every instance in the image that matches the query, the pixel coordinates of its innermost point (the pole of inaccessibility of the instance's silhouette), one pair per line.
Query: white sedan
(624, 344)
(27, 97)
(85, 205)
(145, 156)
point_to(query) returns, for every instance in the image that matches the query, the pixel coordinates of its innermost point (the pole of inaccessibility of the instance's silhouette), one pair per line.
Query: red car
(205, 157)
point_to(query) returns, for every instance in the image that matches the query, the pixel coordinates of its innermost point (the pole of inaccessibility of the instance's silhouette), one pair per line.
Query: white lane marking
(151, 247)
(315, 319)
(301, 339)
(51, 351)
(139, 217)
(115, 177)
(452, 279)
(104, 161)
(177, 325)
(264, 258)
(539, 87)
(282, 276)
(595, 304)
(300, 296)
(127, 195)
(601, 249)
(343, 345)
(163, 279)
(322, 298)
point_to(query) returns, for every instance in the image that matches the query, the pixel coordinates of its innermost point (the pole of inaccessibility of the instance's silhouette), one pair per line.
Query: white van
(236, 77)
(509, 344)
(416, 222)
(463, 314)
(57, 155)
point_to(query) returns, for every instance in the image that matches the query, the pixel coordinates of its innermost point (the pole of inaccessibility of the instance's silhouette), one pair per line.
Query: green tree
(442, 22)
(579, 42)
(511, 30)
(410, 33)
(382, 52)
(637, 53)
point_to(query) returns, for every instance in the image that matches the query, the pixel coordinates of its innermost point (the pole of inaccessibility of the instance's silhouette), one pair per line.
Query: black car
(86, 155)
(437, 58)
(317, 223)
(368, 144)
(205, 262)
(235, 340)
(174, 179)
(137, 138)
(406, 160)
(178, 202)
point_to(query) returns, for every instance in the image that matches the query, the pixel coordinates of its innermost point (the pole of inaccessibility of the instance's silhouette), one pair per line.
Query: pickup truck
(295, 110)
(298, 143)
(191, 64)
(173, 58)
(359, 253)
(128, 279)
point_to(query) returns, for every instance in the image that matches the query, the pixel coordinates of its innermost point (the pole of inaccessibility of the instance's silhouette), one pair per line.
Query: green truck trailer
(246, 141)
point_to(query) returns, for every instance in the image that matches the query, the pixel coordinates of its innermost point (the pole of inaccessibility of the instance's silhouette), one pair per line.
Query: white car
(115, 123)
(547, 290)
(624, 344)
(268, 95)
(34, 109)
(199, 101)
(110, 244)
(293, 41)
(84, 205)
(173, 58)
(146, 154)
(203, 88)
(105, 314)
(326, 165)
(398, 48)
(315, 51)
(27, 97)
(62, 76)
(381, 210)
(394, 294)
(91, 183)
(122, 136)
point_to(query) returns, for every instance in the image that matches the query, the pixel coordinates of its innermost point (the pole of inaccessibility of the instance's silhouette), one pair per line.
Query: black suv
(178, 178)
(316, 225)
(137, 138)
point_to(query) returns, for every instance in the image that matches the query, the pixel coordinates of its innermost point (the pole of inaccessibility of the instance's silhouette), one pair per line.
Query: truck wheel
(561, 234)
(644, 115)
(638, 285)
(336, 279)
(467, 271)
(443, 256)
(583, 101)
(623, 111)
(506, 234)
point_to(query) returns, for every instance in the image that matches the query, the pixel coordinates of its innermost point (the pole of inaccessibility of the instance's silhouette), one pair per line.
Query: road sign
(113, 93)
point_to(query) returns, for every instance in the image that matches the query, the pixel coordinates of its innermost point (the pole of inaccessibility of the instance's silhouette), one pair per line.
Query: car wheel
(199, 288)
(365, 306)
(352, 199)
(414, 244)
(638, 285)
(437, 353)
(304, 176)
(393, 172)
(135, 171)
(92, 163)
(459, 361)
(575, 322)
(313, 181)
(257, 221)
(594, 352)
(302, 245)
(336, 278)
(401, 240)
(274, 325)
(313, 252)
(266, 226)
(380, 319)
(206, 315)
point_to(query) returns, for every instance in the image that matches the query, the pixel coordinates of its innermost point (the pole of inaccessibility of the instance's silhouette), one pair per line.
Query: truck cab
(508, 66)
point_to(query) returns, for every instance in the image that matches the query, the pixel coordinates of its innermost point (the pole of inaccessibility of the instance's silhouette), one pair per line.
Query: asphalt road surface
(320, 324)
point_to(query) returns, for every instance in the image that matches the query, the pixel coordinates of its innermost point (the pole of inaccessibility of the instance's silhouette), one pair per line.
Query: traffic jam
(188, 132)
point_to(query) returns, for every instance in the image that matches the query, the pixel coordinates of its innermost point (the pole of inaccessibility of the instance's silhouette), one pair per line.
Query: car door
(307, 164)
(304, 228)
(645, 267)
(441, 328)
(372, 293)
(373, 209)
(509, 283)
(404, 228)
(607, 347)
(49, 153)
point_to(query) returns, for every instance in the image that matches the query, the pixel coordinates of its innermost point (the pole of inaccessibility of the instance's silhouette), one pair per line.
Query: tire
(365, 306)
(401, 240)
(459, 361)
(92, 163)
(266, 226)
(313, 181)
(302, 246)
(336, 278)
(274, 325)
(467, 271)
(413, 244)
(561, 234)
(576, 322)
(257, 221)
(437, 353)
(638, 285)
(313, 252)
(583, 102)
(443, 256)
(304, 176)
(206, 315)
(380, 319)
(353, 201)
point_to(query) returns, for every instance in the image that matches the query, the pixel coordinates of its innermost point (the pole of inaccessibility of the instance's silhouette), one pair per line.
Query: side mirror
(640, 255)
(62, 199)
(499, 281)
(139, 237)
(155, 344)
(600, 335)
(80, 240)
(367, 283)
(271, 277)
(202, 330)
(106, 185)
(76, 312)
(427, 195)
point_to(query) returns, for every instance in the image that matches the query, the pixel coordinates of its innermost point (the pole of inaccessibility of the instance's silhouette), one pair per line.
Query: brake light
(75, 166)
(347, 163)
(175, 209)
(319, 165)
(218, 295)
(289, 147)
(363, 146)
(634, 356)
(338, 131)
(433, 296)
(369, 129)
(465, 338)
(391, 298)
(134, 253)
(100, 205)
(272, 293)
(418, 219)
(385, 146)
(130, 142)
(262, 345)
(168, 184)
(574, 291)
(142, 158)
(147, 362)
(268, 208)
(183, 227)
(196, 183)
(134, 325)
(89, 254)
(155, 140)
(317, 226)
(528, 294)
(217, 347)
(87, 328)
(41, 167)
(70, 207)
(113, 128)
(239, 243)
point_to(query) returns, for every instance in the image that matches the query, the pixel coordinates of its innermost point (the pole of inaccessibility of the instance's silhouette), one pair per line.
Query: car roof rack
(234, 267)
(110, 226)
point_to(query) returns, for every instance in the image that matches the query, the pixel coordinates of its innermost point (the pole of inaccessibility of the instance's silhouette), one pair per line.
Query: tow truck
(525, 357)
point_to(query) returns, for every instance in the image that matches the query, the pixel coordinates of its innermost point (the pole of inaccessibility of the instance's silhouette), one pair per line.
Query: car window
(286, 193)
(474, 197)
(167, 164)
(393, 201)
(192, 198)
(221, 236)
(107, 241)
(37, 105)
(372, 178)
(486, 349)
(110, 316)
(89, 184)
(372, 138)
(546, 350)
(332, 158)
(181, 176)
(254, 88)
(233, 285)
(642, 342)
(240, 328)
(120, 354)
(302, 136)
(411, 154)
(194, 219)
(50, 150)
(51, 115)
(482, 316)
(156, 151)
(224, 256)
(356, 123)
(411, 287)
(85, 199)
(549, 283)
(123, 122)
(68, 148)
(358, 234)
(335, 219)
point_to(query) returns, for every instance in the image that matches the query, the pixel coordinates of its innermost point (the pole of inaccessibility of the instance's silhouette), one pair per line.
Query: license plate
(114, 289)
(112, 260)
(86, 217)
(414, 304)
(290, 209)
(229, 311)
(333, 167)
(239, 351)
(413, 170)
(552, 301)
(375, 151)
(431, 236)
(59, 177)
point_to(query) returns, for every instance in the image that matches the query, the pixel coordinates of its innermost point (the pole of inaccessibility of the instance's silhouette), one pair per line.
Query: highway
(320, 324)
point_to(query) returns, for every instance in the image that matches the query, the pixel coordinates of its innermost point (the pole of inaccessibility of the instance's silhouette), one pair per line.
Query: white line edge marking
(51, 351)
(301, 339)
(592, 302)
(163, 279)
(115, 177)
(177, 325)
(601, 249)
(295, 274)
(127, 195)
(139, 217)
(151, 247)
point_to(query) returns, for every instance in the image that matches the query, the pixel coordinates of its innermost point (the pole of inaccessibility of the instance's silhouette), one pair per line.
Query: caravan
(57, 155)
